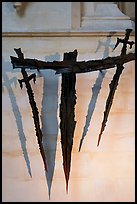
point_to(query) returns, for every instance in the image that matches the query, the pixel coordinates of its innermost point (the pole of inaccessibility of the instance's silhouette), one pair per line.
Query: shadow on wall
(7, 83)
(49, 117)
(48, 114)
(97, 86)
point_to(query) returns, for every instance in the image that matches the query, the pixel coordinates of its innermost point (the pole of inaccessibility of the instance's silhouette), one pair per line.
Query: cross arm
(72, 67)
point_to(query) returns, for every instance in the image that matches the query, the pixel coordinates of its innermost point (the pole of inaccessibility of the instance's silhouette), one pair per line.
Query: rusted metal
(67, 115)
(69, 68)
(72, 67)
(114, 83)
(32, 102)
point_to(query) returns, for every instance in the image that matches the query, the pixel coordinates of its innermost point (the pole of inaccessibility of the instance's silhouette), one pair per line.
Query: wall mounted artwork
(69, 68)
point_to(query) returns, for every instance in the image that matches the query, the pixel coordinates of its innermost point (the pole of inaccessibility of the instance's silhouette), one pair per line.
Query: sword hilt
(131, 44)
(21, 81)
(125, 40)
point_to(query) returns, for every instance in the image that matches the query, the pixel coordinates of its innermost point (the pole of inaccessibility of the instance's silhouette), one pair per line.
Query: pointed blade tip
(67, 187)
(79, 148)
(80, 145)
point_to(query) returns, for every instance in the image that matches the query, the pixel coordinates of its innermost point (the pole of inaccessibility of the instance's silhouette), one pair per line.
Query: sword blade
(113, 86)
(67, 124)
(36, 120)
(34, 108)
(114, 83)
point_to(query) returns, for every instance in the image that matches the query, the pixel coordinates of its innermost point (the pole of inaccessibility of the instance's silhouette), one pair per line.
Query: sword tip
(67, 188)
(80, 145)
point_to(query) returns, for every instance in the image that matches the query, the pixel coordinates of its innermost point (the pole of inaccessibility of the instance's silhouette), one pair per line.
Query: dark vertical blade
(67, 124)
(114, 83)
(113, 86)
(33, 107)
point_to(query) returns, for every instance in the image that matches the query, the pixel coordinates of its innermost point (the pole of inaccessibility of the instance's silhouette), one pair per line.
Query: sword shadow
(16, 112)
(97, 86)
(49, 118)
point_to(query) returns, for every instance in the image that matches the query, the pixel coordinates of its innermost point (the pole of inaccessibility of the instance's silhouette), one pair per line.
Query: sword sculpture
(67, 124)
(68, 68)
(114, 83)
(97, 86)
(71, 66)
(32, 102)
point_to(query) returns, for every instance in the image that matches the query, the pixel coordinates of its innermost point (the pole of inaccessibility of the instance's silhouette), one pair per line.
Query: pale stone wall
(98, 174)
(128, 8)
(41, 21)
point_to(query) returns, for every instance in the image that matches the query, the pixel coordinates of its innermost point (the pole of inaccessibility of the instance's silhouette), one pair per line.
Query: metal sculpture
(32, 102)
(67, 124)
(68, 68)
(72, 67)
(114, 83)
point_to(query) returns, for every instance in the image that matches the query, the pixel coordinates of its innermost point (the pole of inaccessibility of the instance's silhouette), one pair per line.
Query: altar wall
(98, 174)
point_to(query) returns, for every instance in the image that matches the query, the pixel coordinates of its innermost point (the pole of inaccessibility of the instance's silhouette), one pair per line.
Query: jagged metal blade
(36, 123)
(72, 67)
(114, 83)
(113, 86)
(67, 125)
(34, 108)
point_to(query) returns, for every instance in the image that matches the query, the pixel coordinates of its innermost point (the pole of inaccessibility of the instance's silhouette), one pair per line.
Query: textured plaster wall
(104, 173)
(98, 174)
